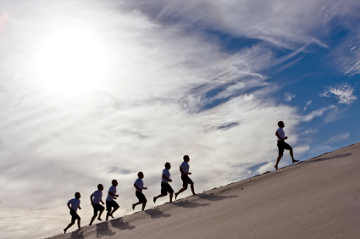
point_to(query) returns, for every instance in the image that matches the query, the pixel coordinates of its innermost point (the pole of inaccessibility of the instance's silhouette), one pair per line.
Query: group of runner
(112, 206)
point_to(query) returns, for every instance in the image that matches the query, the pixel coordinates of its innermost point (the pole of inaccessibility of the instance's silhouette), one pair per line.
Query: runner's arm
(166, 178)
(137, 187)
(277, 135)
(114, 195)
(182, 171)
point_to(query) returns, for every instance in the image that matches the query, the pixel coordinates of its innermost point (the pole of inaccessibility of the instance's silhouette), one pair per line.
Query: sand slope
(318, 198)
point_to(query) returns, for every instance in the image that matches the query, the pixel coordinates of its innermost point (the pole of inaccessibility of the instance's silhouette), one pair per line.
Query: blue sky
(93, 91)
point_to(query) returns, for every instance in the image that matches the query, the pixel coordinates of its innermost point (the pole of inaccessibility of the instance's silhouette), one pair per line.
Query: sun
(70, 62)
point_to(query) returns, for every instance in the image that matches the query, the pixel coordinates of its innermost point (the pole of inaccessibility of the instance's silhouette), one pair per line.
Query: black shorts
(97, 207)
(140, 196)
(186, 180)
(111, 204)
(282, 145)
(166, 188)
(74, 216)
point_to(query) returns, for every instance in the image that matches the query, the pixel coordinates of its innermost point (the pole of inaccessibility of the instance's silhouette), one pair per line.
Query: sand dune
(317, 198)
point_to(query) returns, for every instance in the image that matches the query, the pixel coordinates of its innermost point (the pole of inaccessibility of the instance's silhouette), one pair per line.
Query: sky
(98, 90)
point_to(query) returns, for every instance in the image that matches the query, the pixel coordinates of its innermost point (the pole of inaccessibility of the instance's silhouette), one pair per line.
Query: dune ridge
(316, 198)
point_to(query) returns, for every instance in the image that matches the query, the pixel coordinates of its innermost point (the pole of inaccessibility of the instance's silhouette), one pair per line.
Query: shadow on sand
(213, 197)
(334, 157)
(77, 234)
(102, 229)
(156, 213)
(120, 224)
(188, 204)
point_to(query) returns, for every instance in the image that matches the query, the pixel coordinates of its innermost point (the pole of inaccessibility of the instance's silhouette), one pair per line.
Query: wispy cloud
(310, 131)
(279, 22)
(317, 113)
(307, 104)
(353, 69)
(338, 138)
(343, 92)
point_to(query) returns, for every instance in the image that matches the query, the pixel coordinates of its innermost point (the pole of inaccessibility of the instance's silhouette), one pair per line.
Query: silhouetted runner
(95, 199)
(184, 170)
(111, 205)
(73, 205)
(139, 185)
(280, 134)
(165, 186)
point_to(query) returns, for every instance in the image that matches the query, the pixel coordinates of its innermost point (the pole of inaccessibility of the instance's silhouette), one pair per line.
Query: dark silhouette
(184, 170)
(111, 205)
(95, 200)
(165, 186)
(139, 186)
(73, 205)
(280, 134)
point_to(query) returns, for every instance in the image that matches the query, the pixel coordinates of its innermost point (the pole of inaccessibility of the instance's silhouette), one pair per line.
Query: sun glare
(70, 62)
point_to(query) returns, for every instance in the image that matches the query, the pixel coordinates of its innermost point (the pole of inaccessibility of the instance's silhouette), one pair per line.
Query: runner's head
(77, 195)
(100, 187)
(281, 124)
(186, 158)
(114, 182)
(140, 174)
(167, 165)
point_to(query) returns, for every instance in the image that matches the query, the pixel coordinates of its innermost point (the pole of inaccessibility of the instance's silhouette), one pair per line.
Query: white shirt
(185, 167)
(139, 183)
(74, 204)
(281, 133)
(97, 196)
(165, 172)
(110, 197)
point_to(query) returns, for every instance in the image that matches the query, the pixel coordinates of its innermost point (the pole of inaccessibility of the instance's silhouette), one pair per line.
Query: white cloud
(301, 150)
(321, 149)
(317, 113)
(310, 131)
(166, 89)
(338, 138)
(288, 97)
(307, 104)
(353, 69)
(154, 103)
(343, 92)
(280, 22)
(347, 54)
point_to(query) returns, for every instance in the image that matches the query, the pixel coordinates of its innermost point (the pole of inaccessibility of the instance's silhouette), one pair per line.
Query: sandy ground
(317, 198)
